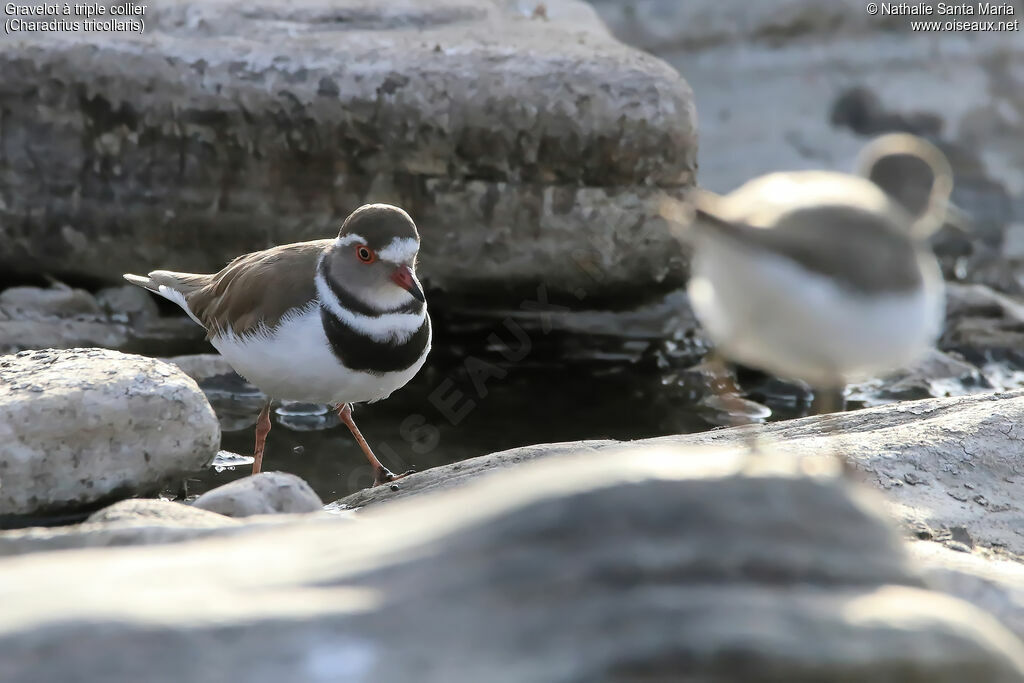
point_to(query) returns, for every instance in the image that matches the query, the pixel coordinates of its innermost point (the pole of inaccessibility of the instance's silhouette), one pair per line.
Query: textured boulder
(202, 366)
(944, 463)
(994, 584)
(266, 493)
(527, 148)
(666, 565)
(156, 511)
(80, 426)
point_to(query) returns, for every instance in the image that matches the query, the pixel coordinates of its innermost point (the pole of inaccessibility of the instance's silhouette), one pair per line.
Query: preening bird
(822, 276)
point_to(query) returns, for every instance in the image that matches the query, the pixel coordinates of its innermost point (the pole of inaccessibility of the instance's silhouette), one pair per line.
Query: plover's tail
(701, 211)
(711, 215)
(172, 286)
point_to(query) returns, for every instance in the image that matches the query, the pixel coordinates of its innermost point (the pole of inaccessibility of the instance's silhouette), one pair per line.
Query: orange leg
(262, 429)
(381, 474)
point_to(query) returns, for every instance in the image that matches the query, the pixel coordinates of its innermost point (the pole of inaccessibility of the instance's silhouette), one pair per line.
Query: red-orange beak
(404, 279)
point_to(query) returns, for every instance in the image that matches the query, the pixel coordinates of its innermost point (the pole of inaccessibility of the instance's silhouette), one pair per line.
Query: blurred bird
(821, 276)
(337, 321)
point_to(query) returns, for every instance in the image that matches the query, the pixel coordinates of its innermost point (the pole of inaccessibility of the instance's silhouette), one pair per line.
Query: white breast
(767, 312)
(295, 362)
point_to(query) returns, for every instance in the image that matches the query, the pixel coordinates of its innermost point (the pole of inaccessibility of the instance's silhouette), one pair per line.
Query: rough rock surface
(80, 426)
(825, 77)
(265, 493)
(944, 463)
(934, 374)
(143, 522)
(623, 567)
(202, 366)
(995, 585)
(157, 511)
(982, 324)
(118, 318)
(527, 149)
(128, 522)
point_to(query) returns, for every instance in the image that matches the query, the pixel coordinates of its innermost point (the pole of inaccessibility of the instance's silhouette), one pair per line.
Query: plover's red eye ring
(365, 254)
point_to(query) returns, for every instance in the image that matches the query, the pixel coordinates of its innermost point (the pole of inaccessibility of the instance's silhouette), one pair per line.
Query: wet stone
(261, 494)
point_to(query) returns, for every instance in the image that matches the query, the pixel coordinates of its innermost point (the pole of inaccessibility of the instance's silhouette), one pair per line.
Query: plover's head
(374, 257)
(914, 173)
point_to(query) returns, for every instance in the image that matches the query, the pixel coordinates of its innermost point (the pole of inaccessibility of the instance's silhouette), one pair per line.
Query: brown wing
(258, 288)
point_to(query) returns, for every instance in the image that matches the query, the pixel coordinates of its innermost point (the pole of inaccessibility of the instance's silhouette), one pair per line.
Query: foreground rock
(129, 522)
(157, 511)
(143, 522)
(81, 426)
(266, 493)
(656, 566)
(944, 463)
(518, 170)
(994, 584)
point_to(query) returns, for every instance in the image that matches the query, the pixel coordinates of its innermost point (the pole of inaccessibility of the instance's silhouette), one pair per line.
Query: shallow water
(470, 401)
(574, 377)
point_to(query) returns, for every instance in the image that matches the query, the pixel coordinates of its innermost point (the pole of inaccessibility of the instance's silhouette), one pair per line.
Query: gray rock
(104, 535)
(465, 471)
(64, 318)
(261, 494)
(21, 330)
(81, 426)
(128, 302)
(127, 522)
(932, 375)
(156, 511)
(943, 462)
(55, 317)
(528, 149)
(666, 26)
(143, 522)
(993, 583)
(201, 366)
(983, 323)
(57, 300)
(662, 565)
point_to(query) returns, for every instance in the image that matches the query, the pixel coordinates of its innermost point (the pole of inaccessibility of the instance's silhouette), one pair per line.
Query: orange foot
(382, 475)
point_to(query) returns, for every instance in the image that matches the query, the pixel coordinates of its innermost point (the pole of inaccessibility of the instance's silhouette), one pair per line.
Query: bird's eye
(365, 254)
